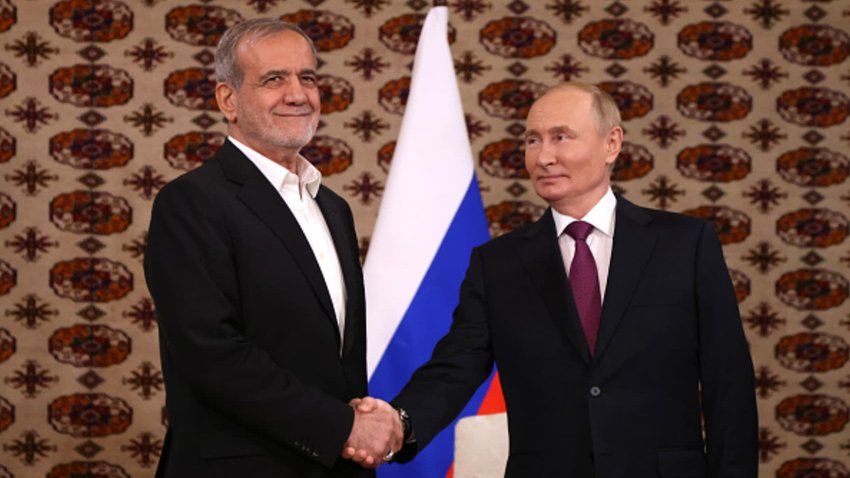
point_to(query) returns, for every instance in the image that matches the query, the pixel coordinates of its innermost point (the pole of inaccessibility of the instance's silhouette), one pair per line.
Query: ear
(613, 144)
(225, 96)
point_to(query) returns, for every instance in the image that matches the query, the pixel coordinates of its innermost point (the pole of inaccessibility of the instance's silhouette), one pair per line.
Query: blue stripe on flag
(427, 319)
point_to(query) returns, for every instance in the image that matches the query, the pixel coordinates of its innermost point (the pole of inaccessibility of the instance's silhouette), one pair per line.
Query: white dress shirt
(600, 241)
(299, 193)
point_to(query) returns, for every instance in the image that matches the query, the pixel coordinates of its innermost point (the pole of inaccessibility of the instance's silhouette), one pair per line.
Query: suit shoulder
(196, 183)
(670, 219)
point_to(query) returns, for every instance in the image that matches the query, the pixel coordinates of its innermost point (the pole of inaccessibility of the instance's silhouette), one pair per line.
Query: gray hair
(606, 114)
(227, 68)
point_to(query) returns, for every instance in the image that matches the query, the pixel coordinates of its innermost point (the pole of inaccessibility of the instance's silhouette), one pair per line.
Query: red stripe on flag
(493, 402)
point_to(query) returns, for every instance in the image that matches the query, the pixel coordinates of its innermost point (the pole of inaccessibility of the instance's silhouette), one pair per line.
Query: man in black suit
(614, 328)
(253, 266)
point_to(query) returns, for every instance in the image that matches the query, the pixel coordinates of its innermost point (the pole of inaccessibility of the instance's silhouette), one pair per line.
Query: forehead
(283, 49)
(561, 105)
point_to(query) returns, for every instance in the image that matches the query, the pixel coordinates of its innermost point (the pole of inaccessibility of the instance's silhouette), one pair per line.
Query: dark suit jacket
(250, 347)
(670, 349)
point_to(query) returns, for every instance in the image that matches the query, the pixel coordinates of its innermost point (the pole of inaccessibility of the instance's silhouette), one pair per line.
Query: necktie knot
(579, 230)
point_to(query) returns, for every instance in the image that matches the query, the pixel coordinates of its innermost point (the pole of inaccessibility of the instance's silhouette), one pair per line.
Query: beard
(261, 129)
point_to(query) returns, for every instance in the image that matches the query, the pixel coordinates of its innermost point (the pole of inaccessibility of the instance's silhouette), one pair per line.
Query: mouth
(296, 114)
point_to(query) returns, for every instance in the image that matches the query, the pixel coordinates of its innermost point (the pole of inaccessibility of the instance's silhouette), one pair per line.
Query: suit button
(595, 391)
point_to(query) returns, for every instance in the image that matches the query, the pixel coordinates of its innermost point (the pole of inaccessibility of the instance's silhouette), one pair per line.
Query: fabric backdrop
(735, 111)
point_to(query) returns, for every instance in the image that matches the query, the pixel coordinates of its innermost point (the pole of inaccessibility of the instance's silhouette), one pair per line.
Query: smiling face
(568, 158)
(276, 108)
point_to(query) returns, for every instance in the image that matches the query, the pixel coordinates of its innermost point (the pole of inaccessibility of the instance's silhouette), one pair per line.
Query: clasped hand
(377, 433)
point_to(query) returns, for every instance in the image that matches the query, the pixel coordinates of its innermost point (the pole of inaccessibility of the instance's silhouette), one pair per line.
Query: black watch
(407, 426)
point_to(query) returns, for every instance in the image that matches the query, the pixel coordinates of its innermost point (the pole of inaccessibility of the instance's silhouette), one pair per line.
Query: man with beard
(253, 266)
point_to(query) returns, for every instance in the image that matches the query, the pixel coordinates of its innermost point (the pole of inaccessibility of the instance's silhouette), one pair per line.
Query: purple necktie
(584, 282)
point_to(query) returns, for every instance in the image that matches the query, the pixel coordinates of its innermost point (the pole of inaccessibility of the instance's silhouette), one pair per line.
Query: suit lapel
(633, 244)
(261, 198)
(349, 263)
(541, 256)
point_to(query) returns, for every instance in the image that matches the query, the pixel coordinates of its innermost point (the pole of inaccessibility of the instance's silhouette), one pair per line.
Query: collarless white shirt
(600, 241)
(299, 193)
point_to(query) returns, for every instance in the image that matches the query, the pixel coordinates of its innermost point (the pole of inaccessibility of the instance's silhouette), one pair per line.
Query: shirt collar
(308, 176)
(601, 216)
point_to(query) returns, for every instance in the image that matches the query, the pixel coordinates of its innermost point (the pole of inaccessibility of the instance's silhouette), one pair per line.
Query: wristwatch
(407, 426)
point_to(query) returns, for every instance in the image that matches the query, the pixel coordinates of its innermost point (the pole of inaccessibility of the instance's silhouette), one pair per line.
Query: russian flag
(430, 218)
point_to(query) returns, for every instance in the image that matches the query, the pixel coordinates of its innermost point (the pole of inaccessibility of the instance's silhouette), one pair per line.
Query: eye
(561, 137)
(531, 140)
(271, 80)
(309, 79)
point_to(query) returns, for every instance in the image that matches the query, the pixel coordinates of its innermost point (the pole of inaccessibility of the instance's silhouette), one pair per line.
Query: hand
(377, 431)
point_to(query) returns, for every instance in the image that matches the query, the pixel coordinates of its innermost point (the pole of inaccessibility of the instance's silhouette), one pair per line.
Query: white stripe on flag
(429, 176)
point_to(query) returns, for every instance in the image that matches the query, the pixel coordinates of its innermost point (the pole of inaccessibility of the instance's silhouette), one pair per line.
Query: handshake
(377, 434)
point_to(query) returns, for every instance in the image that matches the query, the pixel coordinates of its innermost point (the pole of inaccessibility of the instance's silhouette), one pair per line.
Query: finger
(367, 404)
(348, 452)
(354, 402)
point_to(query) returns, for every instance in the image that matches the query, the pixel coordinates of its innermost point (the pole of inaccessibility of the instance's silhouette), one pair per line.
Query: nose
(294, 93)
(545, 154)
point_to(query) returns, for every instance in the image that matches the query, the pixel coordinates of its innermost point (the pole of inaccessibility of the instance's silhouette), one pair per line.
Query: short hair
(606, 114)
(227, 67)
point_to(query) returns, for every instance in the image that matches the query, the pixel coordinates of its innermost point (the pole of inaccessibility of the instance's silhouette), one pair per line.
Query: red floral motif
(732, 225)
(616, 39)
(7, 346)
(90, 212)
(7, 146)
(518, 37)
(812, 352)
(812, 468)
(504, 159)
(336, 93)
(329, 155)
(393, 95)
(634, 162)
(714, 101)
(714, 162)
(8, 211)
(84, 345)
(741, 284)
(192, 88)
(328, 31)
(385, 156)
(91, 149)
(509, 215)
(633, 100)
(813, 167)
(8, 277)
(7, 414)
(200, 25)
(814, 45)
(8, 15)
(8, 80)
(91, 280)
(510, 99)
(190, 150)
(812, 227)
(809, 106)
(812, 289)
(91, 20)
(85, 415)
(91, 86)
(400, 34)
(812, 415)
(87, 469)
(715, 41)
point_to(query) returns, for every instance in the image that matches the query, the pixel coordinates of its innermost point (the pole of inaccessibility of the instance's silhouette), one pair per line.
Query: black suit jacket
(250, 347)
(670, 351)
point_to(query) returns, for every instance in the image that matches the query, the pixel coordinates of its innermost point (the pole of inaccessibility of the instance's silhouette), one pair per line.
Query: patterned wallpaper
(735, 111)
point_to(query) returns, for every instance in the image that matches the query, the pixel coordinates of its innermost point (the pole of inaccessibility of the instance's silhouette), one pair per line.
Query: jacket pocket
(224, 445)
(681, 463)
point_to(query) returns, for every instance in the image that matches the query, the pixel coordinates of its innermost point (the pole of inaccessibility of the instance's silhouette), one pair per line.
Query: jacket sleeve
(192, 278)
(461, 361)
(726, 369)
